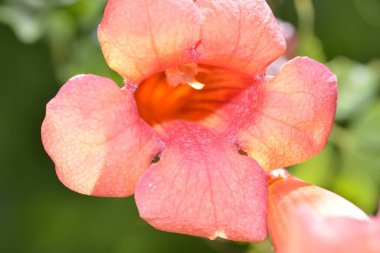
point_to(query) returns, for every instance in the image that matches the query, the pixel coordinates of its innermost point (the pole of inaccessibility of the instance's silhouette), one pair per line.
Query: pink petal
(306, 218)
(203, 187)
(242, 35)
(313, 234)
(283, 120)
(94, 135)
(141, 37)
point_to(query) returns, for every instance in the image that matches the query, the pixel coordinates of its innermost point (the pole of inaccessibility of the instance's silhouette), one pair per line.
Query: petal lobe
(286, 119)
(141, 37)
(94, 135)
(242, 35)
(203, 187)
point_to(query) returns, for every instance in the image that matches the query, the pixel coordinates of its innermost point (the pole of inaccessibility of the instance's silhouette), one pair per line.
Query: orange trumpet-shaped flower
(196, 94)
(305, 218)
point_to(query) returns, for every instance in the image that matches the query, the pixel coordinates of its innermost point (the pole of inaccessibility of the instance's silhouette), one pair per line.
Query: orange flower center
(188, 92)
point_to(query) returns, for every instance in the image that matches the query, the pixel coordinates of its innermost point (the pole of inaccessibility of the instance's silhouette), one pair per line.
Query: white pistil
(184, 74)
(196, 85)
(174, 76)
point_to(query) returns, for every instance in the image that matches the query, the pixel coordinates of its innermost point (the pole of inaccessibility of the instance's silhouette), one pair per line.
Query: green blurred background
(45, 42)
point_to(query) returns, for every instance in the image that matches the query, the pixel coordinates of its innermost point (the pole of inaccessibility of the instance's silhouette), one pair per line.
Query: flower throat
(187, 92)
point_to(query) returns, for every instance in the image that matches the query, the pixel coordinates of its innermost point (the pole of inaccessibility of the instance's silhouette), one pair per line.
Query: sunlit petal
(241, 35)
(202, 186)
(142, 37)
(94, 135)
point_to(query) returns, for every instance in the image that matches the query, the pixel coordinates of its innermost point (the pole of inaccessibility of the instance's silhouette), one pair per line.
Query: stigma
(184, 74)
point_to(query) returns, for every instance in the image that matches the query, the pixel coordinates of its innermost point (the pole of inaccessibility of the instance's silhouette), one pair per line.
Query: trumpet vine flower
(198, 121)
(306, 218)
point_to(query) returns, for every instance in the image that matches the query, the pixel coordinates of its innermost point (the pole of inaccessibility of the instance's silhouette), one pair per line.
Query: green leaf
(317, 170)
(357, 85)
(360, 175)
(261, 247)
(27, 26)
(359, 187)
(367, 130)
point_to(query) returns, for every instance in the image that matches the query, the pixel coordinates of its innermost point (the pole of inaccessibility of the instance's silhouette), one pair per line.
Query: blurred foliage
(345, 27)
(45, 42)
(68, 27)
(358, 86)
